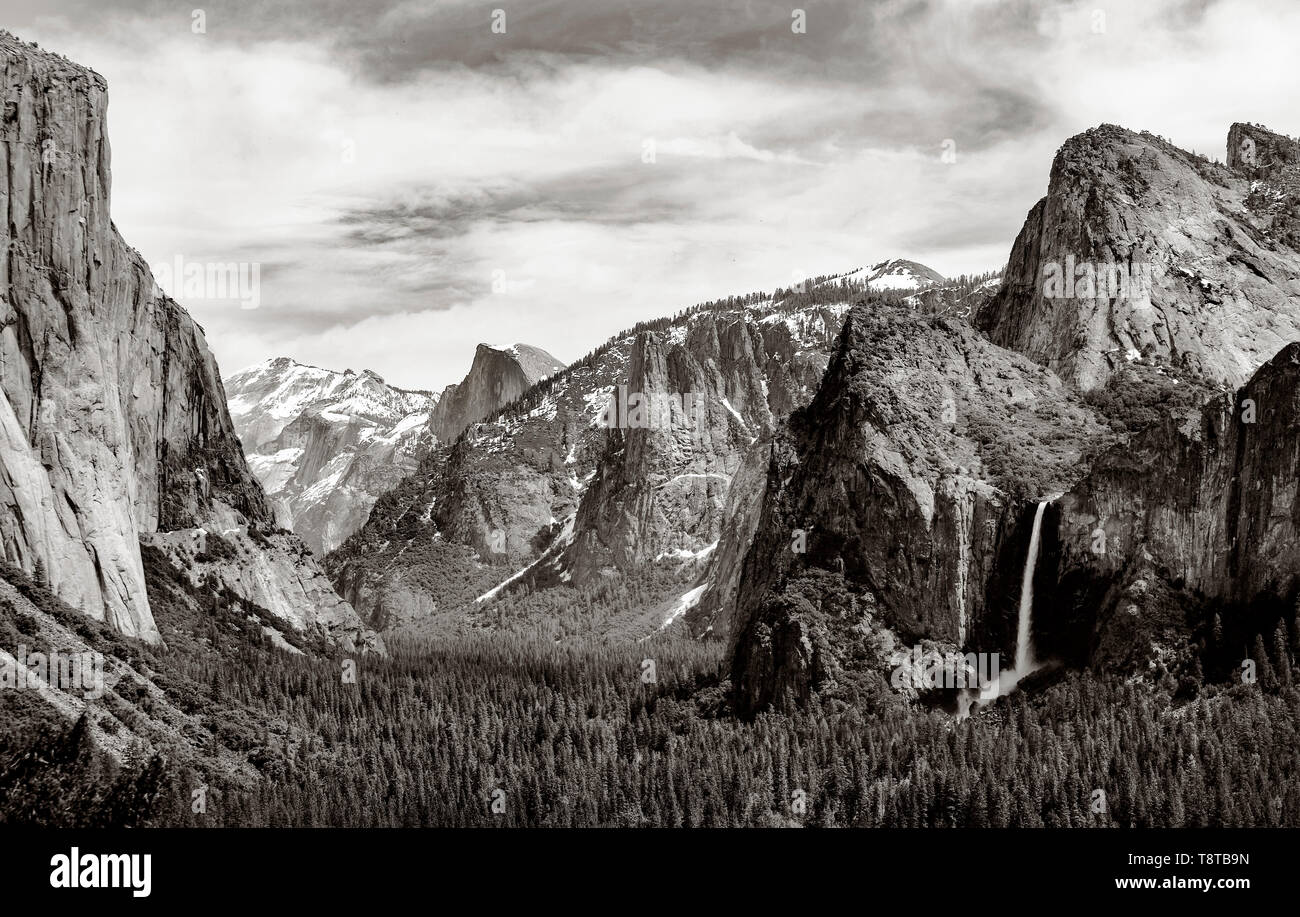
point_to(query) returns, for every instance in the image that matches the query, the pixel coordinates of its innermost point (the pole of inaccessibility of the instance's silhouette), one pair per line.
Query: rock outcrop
(1143, 249)
(326, 444)
(497, 377)
(113, 417)
(1261, 155)
(906, 482)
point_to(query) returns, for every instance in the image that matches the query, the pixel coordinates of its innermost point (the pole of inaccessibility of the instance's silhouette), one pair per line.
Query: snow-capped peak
(900, 274)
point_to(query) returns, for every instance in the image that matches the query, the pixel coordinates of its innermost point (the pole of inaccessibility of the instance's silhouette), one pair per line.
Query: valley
(678, 581)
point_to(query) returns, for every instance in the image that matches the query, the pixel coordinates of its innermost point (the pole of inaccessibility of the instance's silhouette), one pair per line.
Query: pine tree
(1282, 654)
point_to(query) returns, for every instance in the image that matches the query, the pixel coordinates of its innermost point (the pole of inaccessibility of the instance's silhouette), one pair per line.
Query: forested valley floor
(515, 729)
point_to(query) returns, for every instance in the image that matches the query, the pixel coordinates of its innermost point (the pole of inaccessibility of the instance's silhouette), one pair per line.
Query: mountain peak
(499, 374)
(536, 363)
(901, 274)
(1140, 247)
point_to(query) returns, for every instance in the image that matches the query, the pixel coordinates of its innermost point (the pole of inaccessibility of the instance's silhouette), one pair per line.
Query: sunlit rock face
(1171, 257)
(113, 421)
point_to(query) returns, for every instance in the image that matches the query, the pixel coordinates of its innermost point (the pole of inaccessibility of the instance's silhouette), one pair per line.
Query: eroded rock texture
(1222, 290)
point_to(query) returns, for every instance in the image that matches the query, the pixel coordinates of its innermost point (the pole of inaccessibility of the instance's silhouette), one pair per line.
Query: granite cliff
(497, 377)
(1167, 451)
(1144, 249)
(901, 490)
(113, 423)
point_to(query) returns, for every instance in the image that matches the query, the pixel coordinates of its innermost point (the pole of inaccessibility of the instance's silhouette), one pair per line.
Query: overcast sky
(385, 161)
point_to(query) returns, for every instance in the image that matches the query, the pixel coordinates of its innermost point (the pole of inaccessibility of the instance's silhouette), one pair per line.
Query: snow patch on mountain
(325, 444)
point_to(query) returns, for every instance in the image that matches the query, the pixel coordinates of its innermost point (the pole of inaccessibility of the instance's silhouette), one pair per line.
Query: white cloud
(382, 210)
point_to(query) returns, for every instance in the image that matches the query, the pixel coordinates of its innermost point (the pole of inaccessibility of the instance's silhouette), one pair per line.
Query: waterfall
(1006, 682)
(1024, 629)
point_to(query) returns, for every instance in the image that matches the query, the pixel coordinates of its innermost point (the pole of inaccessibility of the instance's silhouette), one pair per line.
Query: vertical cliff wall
(113, 420)
(901, 495)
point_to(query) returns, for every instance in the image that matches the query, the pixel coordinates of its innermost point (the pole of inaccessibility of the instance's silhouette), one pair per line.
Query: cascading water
(1025, 662)
(1024, 628)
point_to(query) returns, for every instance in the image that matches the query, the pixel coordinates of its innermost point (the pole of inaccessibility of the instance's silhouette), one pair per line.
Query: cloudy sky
(411, 181)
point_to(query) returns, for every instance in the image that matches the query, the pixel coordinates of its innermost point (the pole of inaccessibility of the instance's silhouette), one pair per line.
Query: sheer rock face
(1215, 283)
(326, 444)
(1261, 155)
(707, 395)
(497, 377)
(113, 424)
(908, 480)
(1215, 506)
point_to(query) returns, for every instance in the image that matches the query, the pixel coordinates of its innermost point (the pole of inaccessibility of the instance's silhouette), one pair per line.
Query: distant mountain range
(325, 444)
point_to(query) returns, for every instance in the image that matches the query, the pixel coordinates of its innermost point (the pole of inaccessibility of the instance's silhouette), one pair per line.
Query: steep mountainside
(326, 444)
(113, 424)
(497, 376)
(906, 480)
(619, 463)
(1204, 509)
(1168, 543)
(1140, 248)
